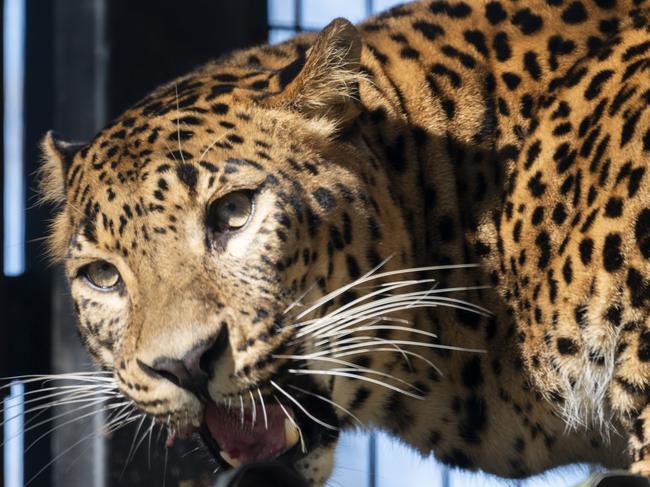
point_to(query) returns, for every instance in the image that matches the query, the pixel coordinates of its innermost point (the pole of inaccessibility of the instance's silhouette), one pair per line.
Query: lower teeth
(233, 462)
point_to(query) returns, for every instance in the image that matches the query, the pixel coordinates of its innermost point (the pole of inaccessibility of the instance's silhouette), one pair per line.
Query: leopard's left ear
(57, 159)
(325, 81)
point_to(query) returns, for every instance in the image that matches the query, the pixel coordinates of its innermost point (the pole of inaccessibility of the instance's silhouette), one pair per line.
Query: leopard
(435, 223)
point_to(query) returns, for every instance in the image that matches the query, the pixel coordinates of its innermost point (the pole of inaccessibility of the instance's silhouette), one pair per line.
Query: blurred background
(72, 65)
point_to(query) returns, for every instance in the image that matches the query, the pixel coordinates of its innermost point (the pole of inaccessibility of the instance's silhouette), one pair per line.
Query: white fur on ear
(57, 159)
(327, 83)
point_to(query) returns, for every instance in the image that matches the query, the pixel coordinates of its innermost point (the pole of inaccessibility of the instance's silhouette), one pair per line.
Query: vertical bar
(14, 182)
(80, 109)
(100, 454)
(446, 479)
(14, 419)
(370, 8)
(100, 64)
(372, 460)
(297, 16)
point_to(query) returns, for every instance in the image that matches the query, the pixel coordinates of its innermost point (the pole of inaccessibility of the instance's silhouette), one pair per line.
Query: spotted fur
(512, 134)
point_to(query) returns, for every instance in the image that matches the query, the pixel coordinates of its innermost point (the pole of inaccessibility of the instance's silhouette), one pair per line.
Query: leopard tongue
(242, 442)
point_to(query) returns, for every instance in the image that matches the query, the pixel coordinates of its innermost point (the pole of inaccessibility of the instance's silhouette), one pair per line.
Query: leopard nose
(192, 372)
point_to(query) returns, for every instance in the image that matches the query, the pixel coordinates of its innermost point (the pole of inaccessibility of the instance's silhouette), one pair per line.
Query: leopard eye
(102, 275)
(230, 212)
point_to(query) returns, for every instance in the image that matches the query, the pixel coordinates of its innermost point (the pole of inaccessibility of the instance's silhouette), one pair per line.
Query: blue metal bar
(372, 460)
(297, 15)
(14, 180)
(14, 410)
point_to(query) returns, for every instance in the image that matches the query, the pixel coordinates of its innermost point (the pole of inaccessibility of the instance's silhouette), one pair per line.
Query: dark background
(85, 62)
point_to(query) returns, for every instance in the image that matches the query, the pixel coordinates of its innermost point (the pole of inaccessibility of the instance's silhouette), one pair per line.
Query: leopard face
(197, 227)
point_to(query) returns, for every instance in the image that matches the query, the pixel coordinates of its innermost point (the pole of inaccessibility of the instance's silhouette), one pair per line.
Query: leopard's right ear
(57, 159)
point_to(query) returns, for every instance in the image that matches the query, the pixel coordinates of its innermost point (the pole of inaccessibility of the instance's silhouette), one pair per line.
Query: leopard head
(198, 229)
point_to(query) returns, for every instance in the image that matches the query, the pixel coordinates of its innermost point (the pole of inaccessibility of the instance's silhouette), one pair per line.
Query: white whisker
(329, 401)
(302, 408)
(421, 299)
(354, 376)
(211, 146)
(299, 299)
(70, 421)
(74, 445)
(254, 409)
(165, 468)
(73, 399)
(241, 404)
(81, 377)
(356, 367)
(293, 422)
(370, 276)
(58, 416)
(178, 124)
(266, 419)
(133, 448)
(408, 352)
(153, 424)
(354, 304)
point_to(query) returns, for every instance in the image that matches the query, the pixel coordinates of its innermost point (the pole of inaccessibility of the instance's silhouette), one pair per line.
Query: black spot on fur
(457, 458)
(429, 30)
(397, 414)
(502, 46)
(188, 175)
(360, 397)
(495, 12)
(528, 22)
(544, 245)
(612, 256)
(639, 288)
(642, 232)
(586, 248)
(474, 419)
(325, 198)
(614, 207)
(597, 82)
(567, 346)
(456, 10)
(575, 13)
(471, 372)
(643, 351)
(532, 65)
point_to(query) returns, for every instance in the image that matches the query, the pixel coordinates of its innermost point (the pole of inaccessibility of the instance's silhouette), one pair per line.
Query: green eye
(102, 275)
(230, 212)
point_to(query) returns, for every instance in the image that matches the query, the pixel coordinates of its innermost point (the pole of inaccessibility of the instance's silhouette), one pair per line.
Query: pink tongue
(244, 441)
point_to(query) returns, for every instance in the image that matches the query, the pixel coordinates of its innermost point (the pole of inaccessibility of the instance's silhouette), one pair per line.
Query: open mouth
(239, 438)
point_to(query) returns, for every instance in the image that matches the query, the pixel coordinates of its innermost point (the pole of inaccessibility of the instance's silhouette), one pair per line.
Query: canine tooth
(232, 461)
(291, 433)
